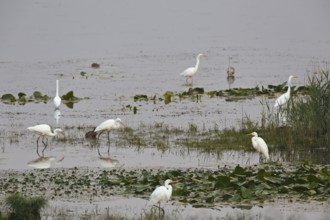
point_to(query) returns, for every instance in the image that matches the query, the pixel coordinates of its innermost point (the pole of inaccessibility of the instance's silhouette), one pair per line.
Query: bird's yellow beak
(250, 134)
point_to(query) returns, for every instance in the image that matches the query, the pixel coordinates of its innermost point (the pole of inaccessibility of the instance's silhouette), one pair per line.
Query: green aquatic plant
(8, 98)
(27, 208)
(305, 119)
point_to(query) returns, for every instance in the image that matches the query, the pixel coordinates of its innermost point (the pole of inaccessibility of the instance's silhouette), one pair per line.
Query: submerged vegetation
(238, 187)
(68, 99)
(234, 94)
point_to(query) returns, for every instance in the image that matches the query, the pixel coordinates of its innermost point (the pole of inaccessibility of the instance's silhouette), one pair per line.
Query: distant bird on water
(44, 130)
(230, 70)
(284, 98)
(191, 71)
(57, 99)
(259, 144)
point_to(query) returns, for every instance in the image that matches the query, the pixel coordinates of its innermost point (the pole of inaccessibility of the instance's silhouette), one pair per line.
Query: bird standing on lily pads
(161, 194)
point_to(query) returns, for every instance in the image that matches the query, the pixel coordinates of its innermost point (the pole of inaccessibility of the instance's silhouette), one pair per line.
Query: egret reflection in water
(107, 162)
(57, 115)
(41, 162)
(230, 81)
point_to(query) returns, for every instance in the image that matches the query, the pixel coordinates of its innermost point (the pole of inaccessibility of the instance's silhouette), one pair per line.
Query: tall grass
(310, 114)
(27, 208)
(305, 120)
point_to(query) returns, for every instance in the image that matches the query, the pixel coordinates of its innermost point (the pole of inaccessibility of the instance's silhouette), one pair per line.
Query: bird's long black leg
(98, 150)
(108, 143)
(38, 146)
(99, 136)
(45, 146)
(109, 137)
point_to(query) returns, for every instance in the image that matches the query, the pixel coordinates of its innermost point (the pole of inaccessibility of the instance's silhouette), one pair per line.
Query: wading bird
(259, 144)
(284, 98)
(44, 130)
(161, 194)
(191, 71)
(57, 99)
(108, 126)
(230, 70)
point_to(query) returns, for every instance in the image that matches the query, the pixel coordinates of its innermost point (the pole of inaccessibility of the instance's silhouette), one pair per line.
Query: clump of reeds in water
(305, 120)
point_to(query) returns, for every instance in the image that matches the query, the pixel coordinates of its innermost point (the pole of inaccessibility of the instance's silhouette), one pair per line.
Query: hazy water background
(142, 47)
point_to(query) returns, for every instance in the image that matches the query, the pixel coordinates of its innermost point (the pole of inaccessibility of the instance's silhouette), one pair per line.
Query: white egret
(161, 194)
(191, 71)
(57, 99)
(230, 70)
(108, 126)
(284, 98)
(44, 130)
(259, 144)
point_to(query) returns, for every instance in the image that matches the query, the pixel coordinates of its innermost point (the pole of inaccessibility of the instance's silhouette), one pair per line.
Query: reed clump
(305, 119)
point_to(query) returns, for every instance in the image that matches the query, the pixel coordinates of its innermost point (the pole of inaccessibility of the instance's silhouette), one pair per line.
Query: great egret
(284, 98)
(230, 70)
(161, 194)
(191, 71)
(57, 99)
(108, 126)
(44, 130)
(259, 144)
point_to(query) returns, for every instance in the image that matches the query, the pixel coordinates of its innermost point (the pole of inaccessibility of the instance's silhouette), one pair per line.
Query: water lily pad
(8, 98)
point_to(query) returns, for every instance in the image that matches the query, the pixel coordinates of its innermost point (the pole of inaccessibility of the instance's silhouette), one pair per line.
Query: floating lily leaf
(167, 97)
(8, 98)
(222, 181)
(238, 170)
(140, 98)
(21, 95)
(246, 193)
(69, 97)
(273, 180)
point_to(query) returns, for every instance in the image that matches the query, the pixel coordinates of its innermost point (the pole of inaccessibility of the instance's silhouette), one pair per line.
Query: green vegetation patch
(238, 187)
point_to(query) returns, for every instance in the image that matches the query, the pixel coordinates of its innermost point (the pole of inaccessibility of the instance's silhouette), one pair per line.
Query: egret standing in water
(57, 99)
(108, 126)
(191, 71)
(44, 130)
(284, 98)
(259, 144)
(161, 194)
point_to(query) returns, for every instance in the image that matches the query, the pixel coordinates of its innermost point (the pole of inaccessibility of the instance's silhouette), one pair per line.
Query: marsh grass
(304, 122)
(25, 207)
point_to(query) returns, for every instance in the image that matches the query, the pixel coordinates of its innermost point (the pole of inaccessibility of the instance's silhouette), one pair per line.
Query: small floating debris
(95, 65)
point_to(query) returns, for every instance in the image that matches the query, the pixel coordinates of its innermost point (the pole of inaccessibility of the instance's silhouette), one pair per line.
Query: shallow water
(142, 47)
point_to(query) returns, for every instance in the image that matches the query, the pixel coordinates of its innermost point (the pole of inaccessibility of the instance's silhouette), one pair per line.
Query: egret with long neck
(57, 99)
(191, 71)
(44, 130)
(161, 194)
(284, 98)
